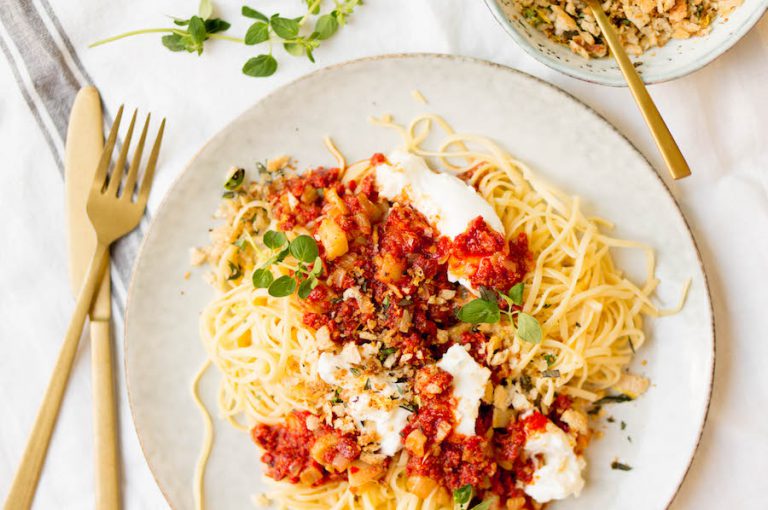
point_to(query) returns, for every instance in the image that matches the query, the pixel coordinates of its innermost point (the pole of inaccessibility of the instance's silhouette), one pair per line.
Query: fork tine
(99, 179)
(133, 172)
(119, 169)
(146, 182)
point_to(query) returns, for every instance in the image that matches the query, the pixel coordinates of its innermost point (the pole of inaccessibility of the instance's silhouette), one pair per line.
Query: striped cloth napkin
(719, 116)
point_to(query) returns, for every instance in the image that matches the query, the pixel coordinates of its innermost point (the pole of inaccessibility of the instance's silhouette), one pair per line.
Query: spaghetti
(321, 380)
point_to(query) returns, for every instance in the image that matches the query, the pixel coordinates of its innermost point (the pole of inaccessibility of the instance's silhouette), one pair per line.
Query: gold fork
(113, 214)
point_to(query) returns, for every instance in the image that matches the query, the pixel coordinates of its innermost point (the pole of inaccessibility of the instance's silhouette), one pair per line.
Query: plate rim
(506, 24)
(395, 57)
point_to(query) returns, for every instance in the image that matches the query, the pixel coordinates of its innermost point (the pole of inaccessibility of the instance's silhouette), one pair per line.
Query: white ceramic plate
(561, 137)
(677, 58)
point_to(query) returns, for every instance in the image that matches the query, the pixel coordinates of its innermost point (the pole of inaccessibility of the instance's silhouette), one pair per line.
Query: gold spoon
(664, 140)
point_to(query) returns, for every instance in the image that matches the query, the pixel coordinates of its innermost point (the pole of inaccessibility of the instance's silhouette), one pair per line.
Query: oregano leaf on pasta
(304, 248)
(462, 495)
(275, 240)
(282, 287)
(262, 278)
(516, 293)
(306, 287)
(528, 328)
(485, 505)
(235, 180)
(479, 311)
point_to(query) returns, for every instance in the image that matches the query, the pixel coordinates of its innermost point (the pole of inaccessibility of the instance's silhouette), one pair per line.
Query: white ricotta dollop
(388, 424)
(335, 370)
(559, 474)
(446, 201)
(469, 381)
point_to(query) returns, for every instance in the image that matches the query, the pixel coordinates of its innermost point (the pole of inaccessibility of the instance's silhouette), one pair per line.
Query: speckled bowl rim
(601, 79)
(402, 56)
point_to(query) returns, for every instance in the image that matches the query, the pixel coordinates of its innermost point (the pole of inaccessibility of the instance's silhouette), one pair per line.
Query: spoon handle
(674, 159)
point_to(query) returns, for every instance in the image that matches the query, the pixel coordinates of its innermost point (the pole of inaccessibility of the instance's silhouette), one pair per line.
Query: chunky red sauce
(288, 450)
(489, 261)
(395, 265)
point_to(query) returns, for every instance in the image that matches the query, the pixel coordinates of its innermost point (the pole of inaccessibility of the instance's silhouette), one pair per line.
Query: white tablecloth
(719, 116)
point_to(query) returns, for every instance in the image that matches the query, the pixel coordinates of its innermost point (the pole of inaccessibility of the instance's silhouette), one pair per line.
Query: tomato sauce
(482, 254)
(392, 283)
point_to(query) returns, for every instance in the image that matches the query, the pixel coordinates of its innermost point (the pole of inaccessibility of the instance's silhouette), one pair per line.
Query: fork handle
(25, 482)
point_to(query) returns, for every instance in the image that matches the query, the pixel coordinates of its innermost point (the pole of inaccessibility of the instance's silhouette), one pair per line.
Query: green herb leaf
(281, 256)
(306, 287)
(612, 399)
(622, 467)
(550, 358)
(228, 194)
(235, 180)
(304, 248)
(488, 294)
(408, 406)
(326, 26)
(197, 32)
(205, 9)
(215, 25)
(516, 293)
(479, 311)
(174, 42)
(367, 384)
(295, 49)
(284, 28)
(262, 278)
(257, 33)
(528, 328)
(386, 352)
(180, 22)
(317, 267)
(261, 66)
(241, 243)
(234, 272)
(283, 286)
(485, 505)
(248, 12)
(275, 240)
(463, 495)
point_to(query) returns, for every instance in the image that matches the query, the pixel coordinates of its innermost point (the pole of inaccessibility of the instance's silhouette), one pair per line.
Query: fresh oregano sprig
(191, 34)
(485, 309)
(309, 265)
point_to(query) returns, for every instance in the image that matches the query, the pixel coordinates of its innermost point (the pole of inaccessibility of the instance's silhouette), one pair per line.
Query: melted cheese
(469, 381)
(335, 369)
(388, 424)
(558, 472)
(444, 199)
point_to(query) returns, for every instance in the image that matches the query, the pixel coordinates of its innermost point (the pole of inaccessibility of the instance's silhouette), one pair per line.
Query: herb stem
(226, 38)
(310, 8)
(130, 34)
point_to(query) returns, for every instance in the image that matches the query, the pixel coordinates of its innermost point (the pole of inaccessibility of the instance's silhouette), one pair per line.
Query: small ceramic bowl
(677, 58)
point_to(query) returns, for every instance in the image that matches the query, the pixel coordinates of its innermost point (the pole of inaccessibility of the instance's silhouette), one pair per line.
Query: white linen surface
(719, 116)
